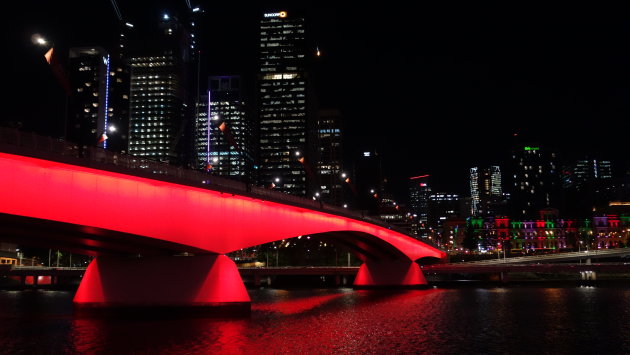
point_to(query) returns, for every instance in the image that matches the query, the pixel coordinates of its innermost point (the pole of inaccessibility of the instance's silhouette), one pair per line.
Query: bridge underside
(85, 240)
(136, 271)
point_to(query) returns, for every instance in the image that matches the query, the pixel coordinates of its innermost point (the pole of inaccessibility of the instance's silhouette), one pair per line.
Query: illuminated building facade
(227, 127)
(329, 160)
(536, 180)
(522, 236)
(282, 98)
(159, 95)
(202, 134)
(485, 190)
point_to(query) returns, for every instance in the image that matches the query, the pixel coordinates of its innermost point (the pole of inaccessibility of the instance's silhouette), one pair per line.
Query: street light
(39, 40)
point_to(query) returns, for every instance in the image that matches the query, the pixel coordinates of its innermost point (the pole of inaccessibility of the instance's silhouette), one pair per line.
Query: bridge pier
(200, 283)
(389, 274)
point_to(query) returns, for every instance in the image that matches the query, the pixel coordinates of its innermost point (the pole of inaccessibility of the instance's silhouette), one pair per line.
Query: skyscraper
(329, 155)
(442, 205)
(536, 181)
(419, 193)
(485, 190)
(368, 182)
(587, 184)
(227, 127)
(88, 105)
(590, 170)
(284, 157)
(159, 91)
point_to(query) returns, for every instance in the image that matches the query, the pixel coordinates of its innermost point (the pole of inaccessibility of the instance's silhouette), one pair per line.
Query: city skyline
(466, 88)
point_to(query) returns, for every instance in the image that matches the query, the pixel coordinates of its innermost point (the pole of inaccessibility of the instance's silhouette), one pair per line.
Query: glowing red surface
(389, 273)
(296, 306)
(161, 281)
(204, 219)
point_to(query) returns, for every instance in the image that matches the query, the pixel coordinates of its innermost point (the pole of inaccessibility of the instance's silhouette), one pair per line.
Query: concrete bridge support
(389, 274)
(205, 282)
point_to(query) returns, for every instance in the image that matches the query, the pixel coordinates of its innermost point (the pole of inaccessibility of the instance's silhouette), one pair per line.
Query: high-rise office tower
(367, 185)
(282, 96)
(160, 97)
(98, 108)
(536, 181)
(587, 184)
(227, 127)
(442, 205)
(88, 106)
(329, 155)
(590, 170)
(419, 193)
(485, 190)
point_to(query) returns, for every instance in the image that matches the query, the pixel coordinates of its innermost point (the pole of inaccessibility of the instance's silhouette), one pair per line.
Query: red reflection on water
(296, 306)
(86, 335)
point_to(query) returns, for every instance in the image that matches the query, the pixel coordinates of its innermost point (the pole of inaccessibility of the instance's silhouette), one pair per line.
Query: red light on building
(418, 177)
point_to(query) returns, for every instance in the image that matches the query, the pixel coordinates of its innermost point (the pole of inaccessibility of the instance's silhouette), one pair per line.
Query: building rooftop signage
(276, 14)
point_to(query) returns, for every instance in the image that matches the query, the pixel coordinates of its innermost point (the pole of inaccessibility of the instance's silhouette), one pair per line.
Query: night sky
(436, 88)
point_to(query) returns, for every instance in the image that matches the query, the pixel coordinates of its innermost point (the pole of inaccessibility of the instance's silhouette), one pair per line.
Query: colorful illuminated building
(548, 233)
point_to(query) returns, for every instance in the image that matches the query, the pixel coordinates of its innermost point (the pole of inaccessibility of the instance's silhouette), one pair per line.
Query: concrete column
(203, 282)
(389, 274)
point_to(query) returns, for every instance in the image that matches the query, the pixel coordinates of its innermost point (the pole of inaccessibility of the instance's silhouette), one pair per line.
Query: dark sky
(435, 87)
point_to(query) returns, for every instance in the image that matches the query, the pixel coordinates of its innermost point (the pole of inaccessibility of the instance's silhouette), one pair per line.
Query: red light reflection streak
(296, 306)
(161, 210)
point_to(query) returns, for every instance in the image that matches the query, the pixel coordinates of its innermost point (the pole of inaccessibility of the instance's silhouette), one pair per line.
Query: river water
(465, 320)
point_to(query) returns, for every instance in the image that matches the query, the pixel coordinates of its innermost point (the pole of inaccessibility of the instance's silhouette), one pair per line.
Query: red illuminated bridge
(134, 225)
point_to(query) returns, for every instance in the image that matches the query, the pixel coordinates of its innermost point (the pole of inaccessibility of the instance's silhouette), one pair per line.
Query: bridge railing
(99, 158)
